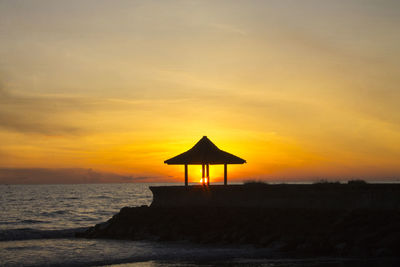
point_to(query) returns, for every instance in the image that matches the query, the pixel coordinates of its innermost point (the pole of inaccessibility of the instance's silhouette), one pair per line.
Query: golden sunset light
(301, 93)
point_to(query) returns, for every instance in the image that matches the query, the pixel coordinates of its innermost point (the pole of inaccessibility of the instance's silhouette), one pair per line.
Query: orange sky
(302, 92)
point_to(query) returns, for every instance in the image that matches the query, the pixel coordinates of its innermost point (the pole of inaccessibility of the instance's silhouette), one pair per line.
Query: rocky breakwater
(292, 231)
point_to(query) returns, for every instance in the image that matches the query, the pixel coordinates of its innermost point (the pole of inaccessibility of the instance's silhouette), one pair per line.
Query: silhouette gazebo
(205, 153)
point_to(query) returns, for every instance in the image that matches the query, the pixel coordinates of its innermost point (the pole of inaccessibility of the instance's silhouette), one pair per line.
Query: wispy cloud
(37, 114)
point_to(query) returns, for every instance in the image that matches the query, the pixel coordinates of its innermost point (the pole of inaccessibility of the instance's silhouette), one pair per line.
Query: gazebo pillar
(203, 174)
(186, 175)
(225, 174)
(208, 174)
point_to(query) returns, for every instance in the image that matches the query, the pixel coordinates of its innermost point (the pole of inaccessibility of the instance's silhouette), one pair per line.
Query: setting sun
(205, 180)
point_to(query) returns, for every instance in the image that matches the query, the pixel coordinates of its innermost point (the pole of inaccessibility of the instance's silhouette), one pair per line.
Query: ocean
(38, 222)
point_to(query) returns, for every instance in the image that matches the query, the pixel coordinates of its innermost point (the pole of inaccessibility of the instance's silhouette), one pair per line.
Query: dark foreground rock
(298, 232)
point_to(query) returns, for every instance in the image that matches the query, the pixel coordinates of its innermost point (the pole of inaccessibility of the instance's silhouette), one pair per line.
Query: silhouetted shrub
(326, 182)
(357, 182)
(254, 182)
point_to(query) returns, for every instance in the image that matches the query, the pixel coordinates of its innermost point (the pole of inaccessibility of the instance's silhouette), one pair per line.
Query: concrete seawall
(339, 220)
(281, 196)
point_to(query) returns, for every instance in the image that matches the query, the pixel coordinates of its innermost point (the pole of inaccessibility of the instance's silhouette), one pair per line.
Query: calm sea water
(38, 222)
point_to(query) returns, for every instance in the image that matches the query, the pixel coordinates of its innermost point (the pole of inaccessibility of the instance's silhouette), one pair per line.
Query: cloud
(61, 115)
(37, 114)
(62, 176)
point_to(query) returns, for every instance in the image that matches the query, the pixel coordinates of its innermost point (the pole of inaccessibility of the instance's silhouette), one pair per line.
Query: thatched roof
(205, 152)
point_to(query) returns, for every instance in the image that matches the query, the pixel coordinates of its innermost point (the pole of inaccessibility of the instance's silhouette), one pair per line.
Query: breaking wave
(29, 233)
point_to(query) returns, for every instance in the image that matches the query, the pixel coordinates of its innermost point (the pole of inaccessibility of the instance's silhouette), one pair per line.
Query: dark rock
(294, 232)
